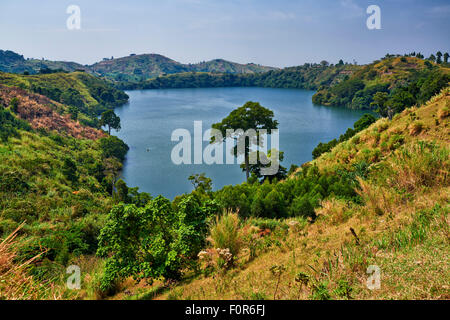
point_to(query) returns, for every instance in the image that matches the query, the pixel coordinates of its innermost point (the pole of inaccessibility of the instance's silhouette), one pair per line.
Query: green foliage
(265, 161)
(297, 196)
(308, 76)
(122, 191)
(10, 125)
(408, 84)
(113, 147)
(69, 169)
(156, 241)
(201, 183)
(320, 291)
(251, 116)
(226, 233)
(110, 119)
(365, 121)
(89, 94)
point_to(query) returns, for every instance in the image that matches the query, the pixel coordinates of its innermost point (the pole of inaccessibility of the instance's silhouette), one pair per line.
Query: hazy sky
(277, 32)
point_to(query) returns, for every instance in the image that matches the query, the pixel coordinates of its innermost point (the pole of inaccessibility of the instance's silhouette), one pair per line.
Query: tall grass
(226, 233)
(15, 283)
(419, 165)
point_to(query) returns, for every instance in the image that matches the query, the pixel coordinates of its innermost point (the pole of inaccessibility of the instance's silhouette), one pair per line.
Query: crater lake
(151, 116)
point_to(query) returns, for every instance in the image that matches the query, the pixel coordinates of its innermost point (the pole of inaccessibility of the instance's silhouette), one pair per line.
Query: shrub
(226, 233)
(152, 242)
(301, 206)
(113, 147)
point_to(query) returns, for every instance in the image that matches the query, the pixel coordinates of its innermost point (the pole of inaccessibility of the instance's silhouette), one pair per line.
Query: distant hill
(133, 68)
(149, 66)
(15, 63)
(308, 76)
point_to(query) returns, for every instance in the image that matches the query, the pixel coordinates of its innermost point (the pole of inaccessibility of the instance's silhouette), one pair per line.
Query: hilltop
(133, 68)
(16, 63)
(392, 75)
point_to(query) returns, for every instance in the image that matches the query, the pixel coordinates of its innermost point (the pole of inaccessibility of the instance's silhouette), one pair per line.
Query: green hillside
(133, 68)
(398, 82)
(15, 63)
(83, 91)
(308, 76)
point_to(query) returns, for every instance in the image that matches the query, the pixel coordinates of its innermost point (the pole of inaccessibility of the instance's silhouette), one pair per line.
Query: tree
(432, 58)
(380, 100)
(201, 182)
(255, 169)
(110, 119)
(251, 116)
(155, 241)
(439, 57)
(446, 57)
(113, 147)
(122, 191)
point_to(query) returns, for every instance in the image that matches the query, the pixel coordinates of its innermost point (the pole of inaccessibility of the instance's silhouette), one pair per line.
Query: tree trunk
(247, 166)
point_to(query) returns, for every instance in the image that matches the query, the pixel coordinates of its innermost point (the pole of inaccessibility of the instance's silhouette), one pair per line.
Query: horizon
(191, 31)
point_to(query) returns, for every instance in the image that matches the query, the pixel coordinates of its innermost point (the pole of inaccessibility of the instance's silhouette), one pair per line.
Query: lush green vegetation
(86, 93)
(60, 197)
(364, 122)
(389, 86)
(10, 126)
(308, 76)
(158, 240)
(133, 68)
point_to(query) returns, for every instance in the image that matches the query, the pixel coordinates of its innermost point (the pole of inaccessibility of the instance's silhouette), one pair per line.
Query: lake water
(150, 117)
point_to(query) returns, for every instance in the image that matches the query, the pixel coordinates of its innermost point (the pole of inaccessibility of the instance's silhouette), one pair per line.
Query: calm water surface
(151, 115)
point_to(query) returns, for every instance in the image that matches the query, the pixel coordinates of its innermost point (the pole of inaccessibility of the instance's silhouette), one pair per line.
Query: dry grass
(15, 283)
(42, 112)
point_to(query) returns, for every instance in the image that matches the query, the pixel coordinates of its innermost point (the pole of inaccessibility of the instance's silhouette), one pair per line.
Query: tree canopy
(251, 116)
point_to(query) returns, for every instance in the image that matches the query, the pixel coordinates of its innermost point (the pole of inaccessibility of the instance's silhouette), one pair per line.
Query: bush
(156, 241)
(10, 125)
(226, 233)
(113, 147)
(301, 206)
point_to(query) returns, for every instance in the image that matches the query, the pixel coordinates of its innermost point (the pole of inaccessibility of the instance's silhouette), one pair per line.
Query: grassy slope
(393, 71)
(61, 214)
(87, 88)
(403, 227)
(42, 112)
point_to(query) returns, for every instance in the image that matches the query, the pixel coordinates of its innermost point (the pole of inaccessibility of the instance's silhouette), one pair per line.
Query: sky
(277, 33)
